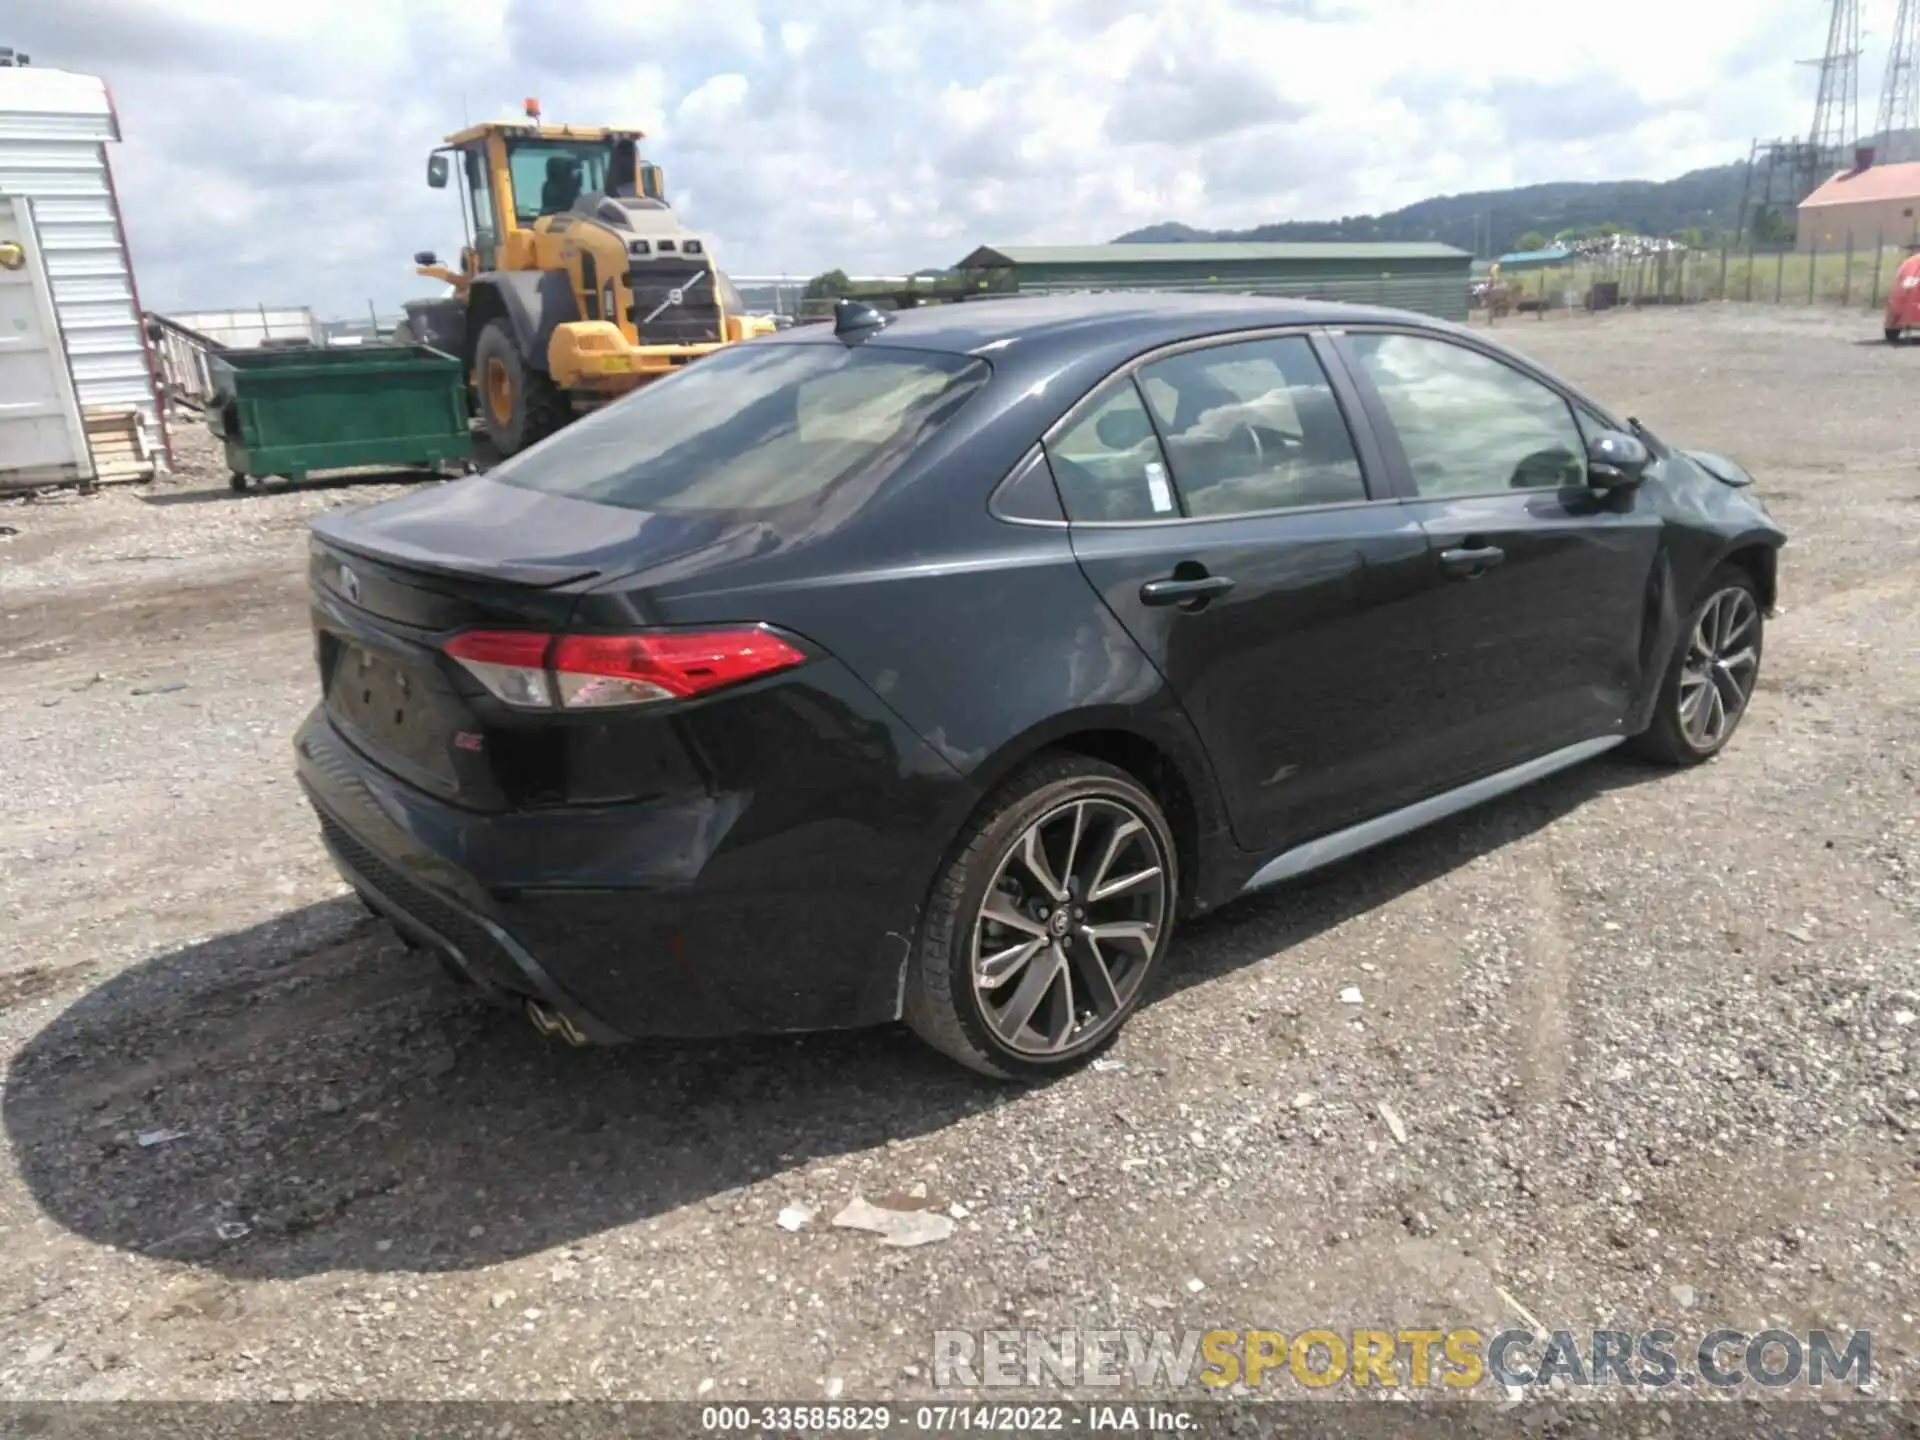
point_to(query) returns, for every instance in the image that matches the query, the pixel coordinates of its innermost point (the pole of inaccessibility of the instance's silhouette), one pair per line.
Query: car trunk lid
(390, 585)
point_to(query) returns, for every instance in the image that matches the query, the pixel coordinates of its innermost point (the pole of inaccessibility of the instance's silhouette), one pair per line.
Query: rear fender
(1196, 810)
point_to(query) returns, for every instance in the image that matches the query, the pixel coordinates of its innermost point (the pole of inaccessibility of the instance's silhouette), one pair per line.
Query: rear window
(752, 427)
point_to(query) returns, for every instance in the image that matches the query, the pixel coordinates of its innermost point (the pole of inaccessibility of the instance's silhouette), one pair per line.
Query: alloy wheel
(1723, 661)
(1069, 926)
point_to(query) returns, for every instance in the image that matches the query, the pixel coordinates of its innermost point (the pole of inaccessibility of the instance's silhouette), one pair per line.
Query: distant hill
(1707, 200)
(1704, 200)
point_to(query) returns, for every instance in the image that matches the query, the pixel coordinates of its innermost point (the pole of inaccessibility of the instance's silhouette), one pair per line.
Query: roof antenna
(856, 319)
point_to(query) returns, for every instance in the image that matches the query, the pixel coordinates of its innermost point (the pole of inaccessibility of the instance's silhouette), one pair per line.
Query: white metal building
(78, 400)
(249, 329)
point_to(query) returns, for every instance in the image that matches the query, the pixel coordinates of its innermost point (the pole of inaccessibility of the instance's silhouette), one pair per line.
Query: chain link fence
(1853, 275)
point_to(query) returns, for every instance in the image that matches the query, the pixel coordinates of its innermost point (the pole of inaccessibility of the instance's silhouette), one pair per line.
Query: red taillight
(665, 666)
(539, 671)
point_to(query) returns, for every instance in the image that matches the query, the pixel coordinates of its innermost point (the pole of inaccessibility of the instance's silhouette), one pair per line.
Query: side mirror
(425, 257)
(437, 172)
(1616, 461)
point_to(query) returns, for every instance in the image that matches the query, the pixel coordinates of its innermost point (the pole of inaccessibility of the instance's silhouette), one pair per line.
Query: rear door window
(752, 427)
(1108, 464)
(1253, 426)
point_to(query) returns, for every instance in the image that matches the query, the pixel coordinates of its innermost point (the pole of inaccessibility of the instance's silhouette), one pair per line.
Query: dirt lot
(1652, 1036)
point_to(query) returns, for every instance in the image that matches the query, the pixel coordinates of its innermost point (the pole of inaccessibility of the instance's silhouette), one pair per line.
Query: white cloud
(276, 153)
(714, 101)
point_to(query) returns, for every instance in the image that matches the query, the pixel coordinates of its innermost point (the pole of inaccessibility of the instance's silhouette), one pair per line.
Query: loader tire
(519, 405)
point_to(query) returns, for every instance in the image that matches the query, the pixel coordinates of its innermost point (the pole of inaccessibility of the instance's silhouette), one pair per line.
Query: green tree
(830, 285)
(1533, 240)
(1691, 237)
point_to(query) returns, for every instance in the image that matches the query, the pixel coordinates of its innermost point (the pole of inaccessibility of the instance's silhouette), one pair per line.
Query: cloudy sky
(276, 152)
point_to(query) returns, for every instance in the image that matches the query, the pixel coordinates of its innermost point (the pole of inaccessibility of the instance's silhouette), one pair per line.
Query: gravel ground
(1650, 1036)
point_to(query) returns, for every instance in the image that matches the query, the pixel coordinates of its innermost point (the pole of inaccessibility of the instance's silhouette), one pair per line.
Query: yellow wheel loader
(577, 283)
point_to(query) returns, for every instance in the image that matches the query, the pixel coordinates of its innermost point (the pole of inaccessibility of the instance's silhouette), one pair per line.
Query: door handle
(1471, 561)
(1187, 591)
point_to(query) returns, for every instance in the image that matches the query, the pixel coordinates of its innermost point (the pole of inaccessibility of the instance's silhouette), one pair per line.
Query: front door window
(1469, 424)
(549, 176)
(480, 205)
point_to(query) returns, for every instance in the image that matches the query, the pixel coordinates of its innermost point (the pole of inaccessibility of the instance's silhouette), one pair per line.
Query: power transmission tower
(1899, 95)
(1836, 111)
(1782, 173)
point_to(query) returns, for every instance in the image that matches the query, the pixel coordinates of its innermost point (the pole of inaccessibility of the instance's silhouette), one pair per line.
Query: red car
(1903, 301)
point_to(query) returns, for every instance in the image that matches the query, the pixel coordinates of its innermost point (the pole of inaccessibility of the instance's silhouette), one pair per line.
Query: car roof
(1093, 320)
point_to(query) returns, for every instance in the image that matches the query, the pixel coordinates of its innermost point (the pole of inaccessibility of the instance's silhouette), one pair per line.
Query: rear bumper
(374, 835)
(678, 918)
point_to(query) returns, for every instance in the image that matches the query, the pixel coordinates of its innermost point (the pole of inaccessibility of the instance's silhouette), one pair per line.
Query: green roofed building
(1429, 278)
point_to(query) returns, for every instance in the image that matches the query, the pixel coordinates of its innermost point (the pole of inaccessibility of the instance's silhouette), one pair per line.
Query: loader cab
(511, 176)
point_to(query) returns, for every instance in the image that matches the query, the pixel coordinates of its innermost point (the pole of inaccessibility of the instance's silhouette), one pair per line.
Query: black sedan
(929, 668)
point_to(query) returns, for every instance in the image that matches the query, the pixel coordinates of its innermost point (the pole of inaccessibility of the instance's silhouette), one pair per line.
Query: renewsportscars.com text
(1450, 1360)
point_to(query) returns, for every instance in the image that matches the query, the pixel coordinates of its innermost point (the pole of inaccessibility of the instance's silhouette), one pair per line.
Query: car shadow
(306, 1095)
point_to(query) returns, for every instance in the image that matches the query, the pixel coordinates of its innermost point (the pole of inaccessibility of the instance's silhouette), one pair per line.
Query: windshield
(752, 427)
(549, 175)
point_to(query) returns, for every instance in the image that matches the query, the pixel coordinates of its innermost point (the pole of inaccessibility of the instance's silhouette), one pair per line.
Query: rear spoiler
(323, 536)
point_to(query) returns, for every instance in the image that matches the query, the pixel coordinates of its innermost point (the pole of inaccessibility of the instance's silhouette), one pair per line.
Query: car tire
(519, 405)
(1677, 735)
(1894, 334)
(1124, 932)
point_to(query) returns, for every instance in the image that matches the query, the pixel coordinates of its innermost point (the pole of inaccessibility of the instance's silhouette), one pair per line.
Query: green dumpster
(289, 412)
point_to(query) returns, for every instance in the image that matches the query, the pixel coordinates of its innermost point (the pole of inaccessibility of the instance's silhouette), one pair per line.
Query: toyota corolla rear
(601, 800)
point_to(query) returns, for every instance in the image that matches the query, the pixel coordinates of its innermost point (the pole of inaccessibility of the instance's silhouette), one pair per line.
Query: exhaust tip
(552, 1022)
